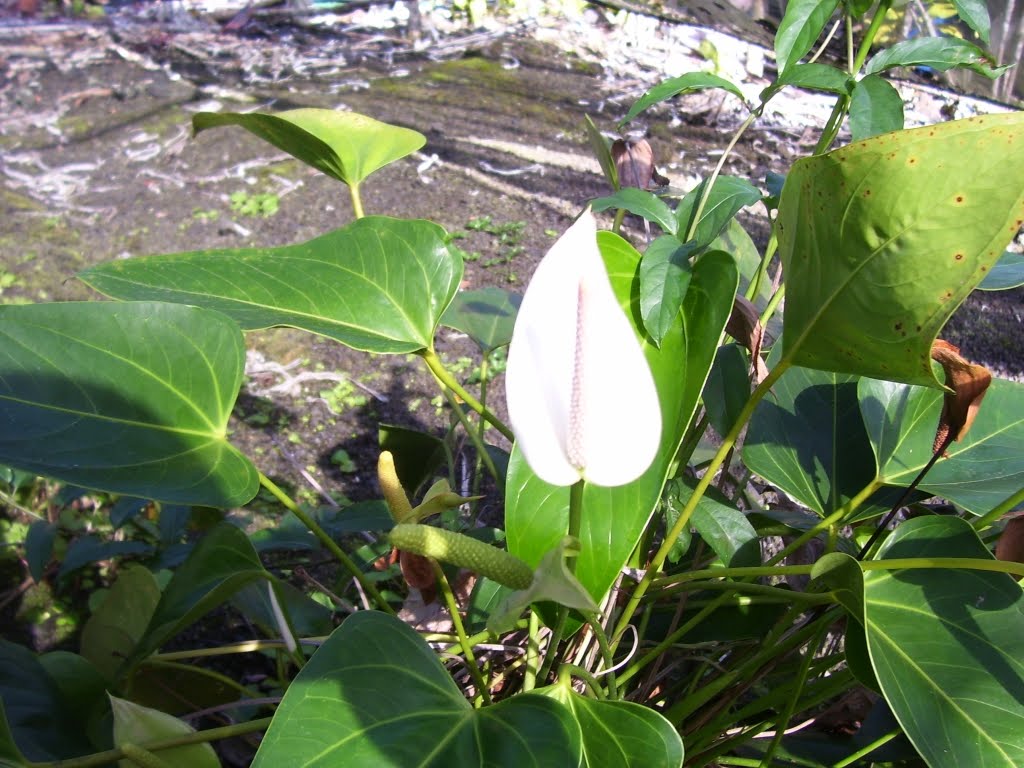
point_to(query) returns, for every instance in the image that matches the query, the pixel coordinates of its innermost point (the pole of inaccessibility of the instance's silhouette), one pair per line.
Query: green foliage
(879, 241)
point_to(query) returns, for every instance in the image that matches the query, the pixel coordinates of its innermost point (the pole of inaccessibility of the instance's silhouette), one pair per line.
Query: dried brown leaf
(634, 161)
(745, 326)
(1010, 547)
(969, 382)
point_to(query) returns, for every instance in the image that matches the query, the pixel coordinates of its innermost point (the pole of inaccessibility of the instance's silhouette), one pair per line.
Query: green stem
(328, 542)
(357, 200)
(606, 654)
(620, 215)
(532, 653)
(460, 631)
(868, 749)
(143, 757)
(961, 563)
(475, 437)
(998, 511)
(441, 373)
(699, 210)
(684, 517)
(199, 737)
(249, 646)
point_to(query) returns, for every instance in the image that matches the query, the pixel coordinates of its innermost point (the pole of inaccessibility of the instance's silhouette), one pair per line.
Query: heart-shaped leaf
(823, 465)
(881, 240)
(375, 695)
(132, 398)
(948, 648)
(727, 197)
(980, 471)
(486, 315)
(620, 734)
(345, 145)
(379, 284)
(537, 513)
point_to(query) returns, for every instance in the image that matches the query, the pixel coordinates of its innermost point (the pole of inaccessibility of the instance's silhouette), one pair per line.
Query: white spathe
(581, 398)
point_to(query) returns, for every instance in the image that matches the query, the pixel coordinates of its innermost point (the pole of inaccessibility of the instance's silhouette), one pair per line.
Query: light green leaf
(881, 240)
(379, 284)
(641, 202)
(800, 28)
(116, 626)
(723, 527)
(136, 725)
(875, 107)
(486, 315)
(345, 145)
(1007, 273)
(665, 272)
(980, 471)
(975, 14)
(813, 77)
(537, 514)
(809, 439)
(688, 83)
(602, 150)
(948, 648)
(620, 734)
(376, 695)
(939, 53)
(131, 398)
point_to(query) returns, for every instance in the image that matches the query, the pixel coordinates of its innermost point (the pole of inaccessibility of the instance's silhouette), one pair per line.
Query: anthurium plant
(743, 487)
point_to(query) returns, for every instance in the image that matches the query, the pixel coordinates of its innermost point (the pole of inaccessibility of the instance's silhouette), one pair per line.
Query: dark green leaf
(728, 196)
(641, 202)
(665, 272)
(620, 734)
(980, 471)
(537, 514)
(728, 388)
(858, 8)
(131, 398)
(881, 240)
(90, 549)
(799, 29)
(809, 439)
(948, 648)
(844, 577)
(44, 727)
(345, 145)
(418, 455)
(855, 646)
(975, 14)
(39, 547)
(125, 509)
(306, 616)
(875, 107)
(379, 284)
(939, 53)
(486, 315)
(1007, 273)
(688, 83)
(375, 695)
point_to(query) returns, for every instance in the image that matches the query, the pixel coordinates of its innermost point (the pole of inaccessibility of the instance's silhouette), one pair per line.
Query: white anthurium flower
(581, 399)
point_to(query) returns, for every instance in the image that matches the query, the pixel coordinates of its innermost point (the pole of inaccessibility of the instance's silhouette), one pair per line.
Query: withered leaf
(969, 382)
(745, 326)
(1010, 547)
(418, 573)
(634, 161)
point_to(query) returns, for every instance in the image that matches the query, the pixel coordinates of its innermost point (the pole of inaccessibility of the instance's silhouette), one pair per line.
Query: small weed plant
(653, 597)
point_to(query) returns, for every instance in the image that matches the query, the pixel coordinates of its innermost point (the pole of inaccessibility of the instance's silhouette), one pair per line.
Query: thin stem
(710, 182)
(357, 200)
(868, 749)
(249, 646)
(684, 517)
(532, 653)
(960, 563)
(606, 654)
(999, 510)
(460, 631)
(441, 373)
(328, 542)
(474, 436)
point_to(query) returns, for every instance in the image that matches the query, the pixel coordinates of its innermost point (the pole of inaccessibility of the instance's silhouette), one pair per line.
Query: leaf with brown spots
(969, 382)
(882, 239)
